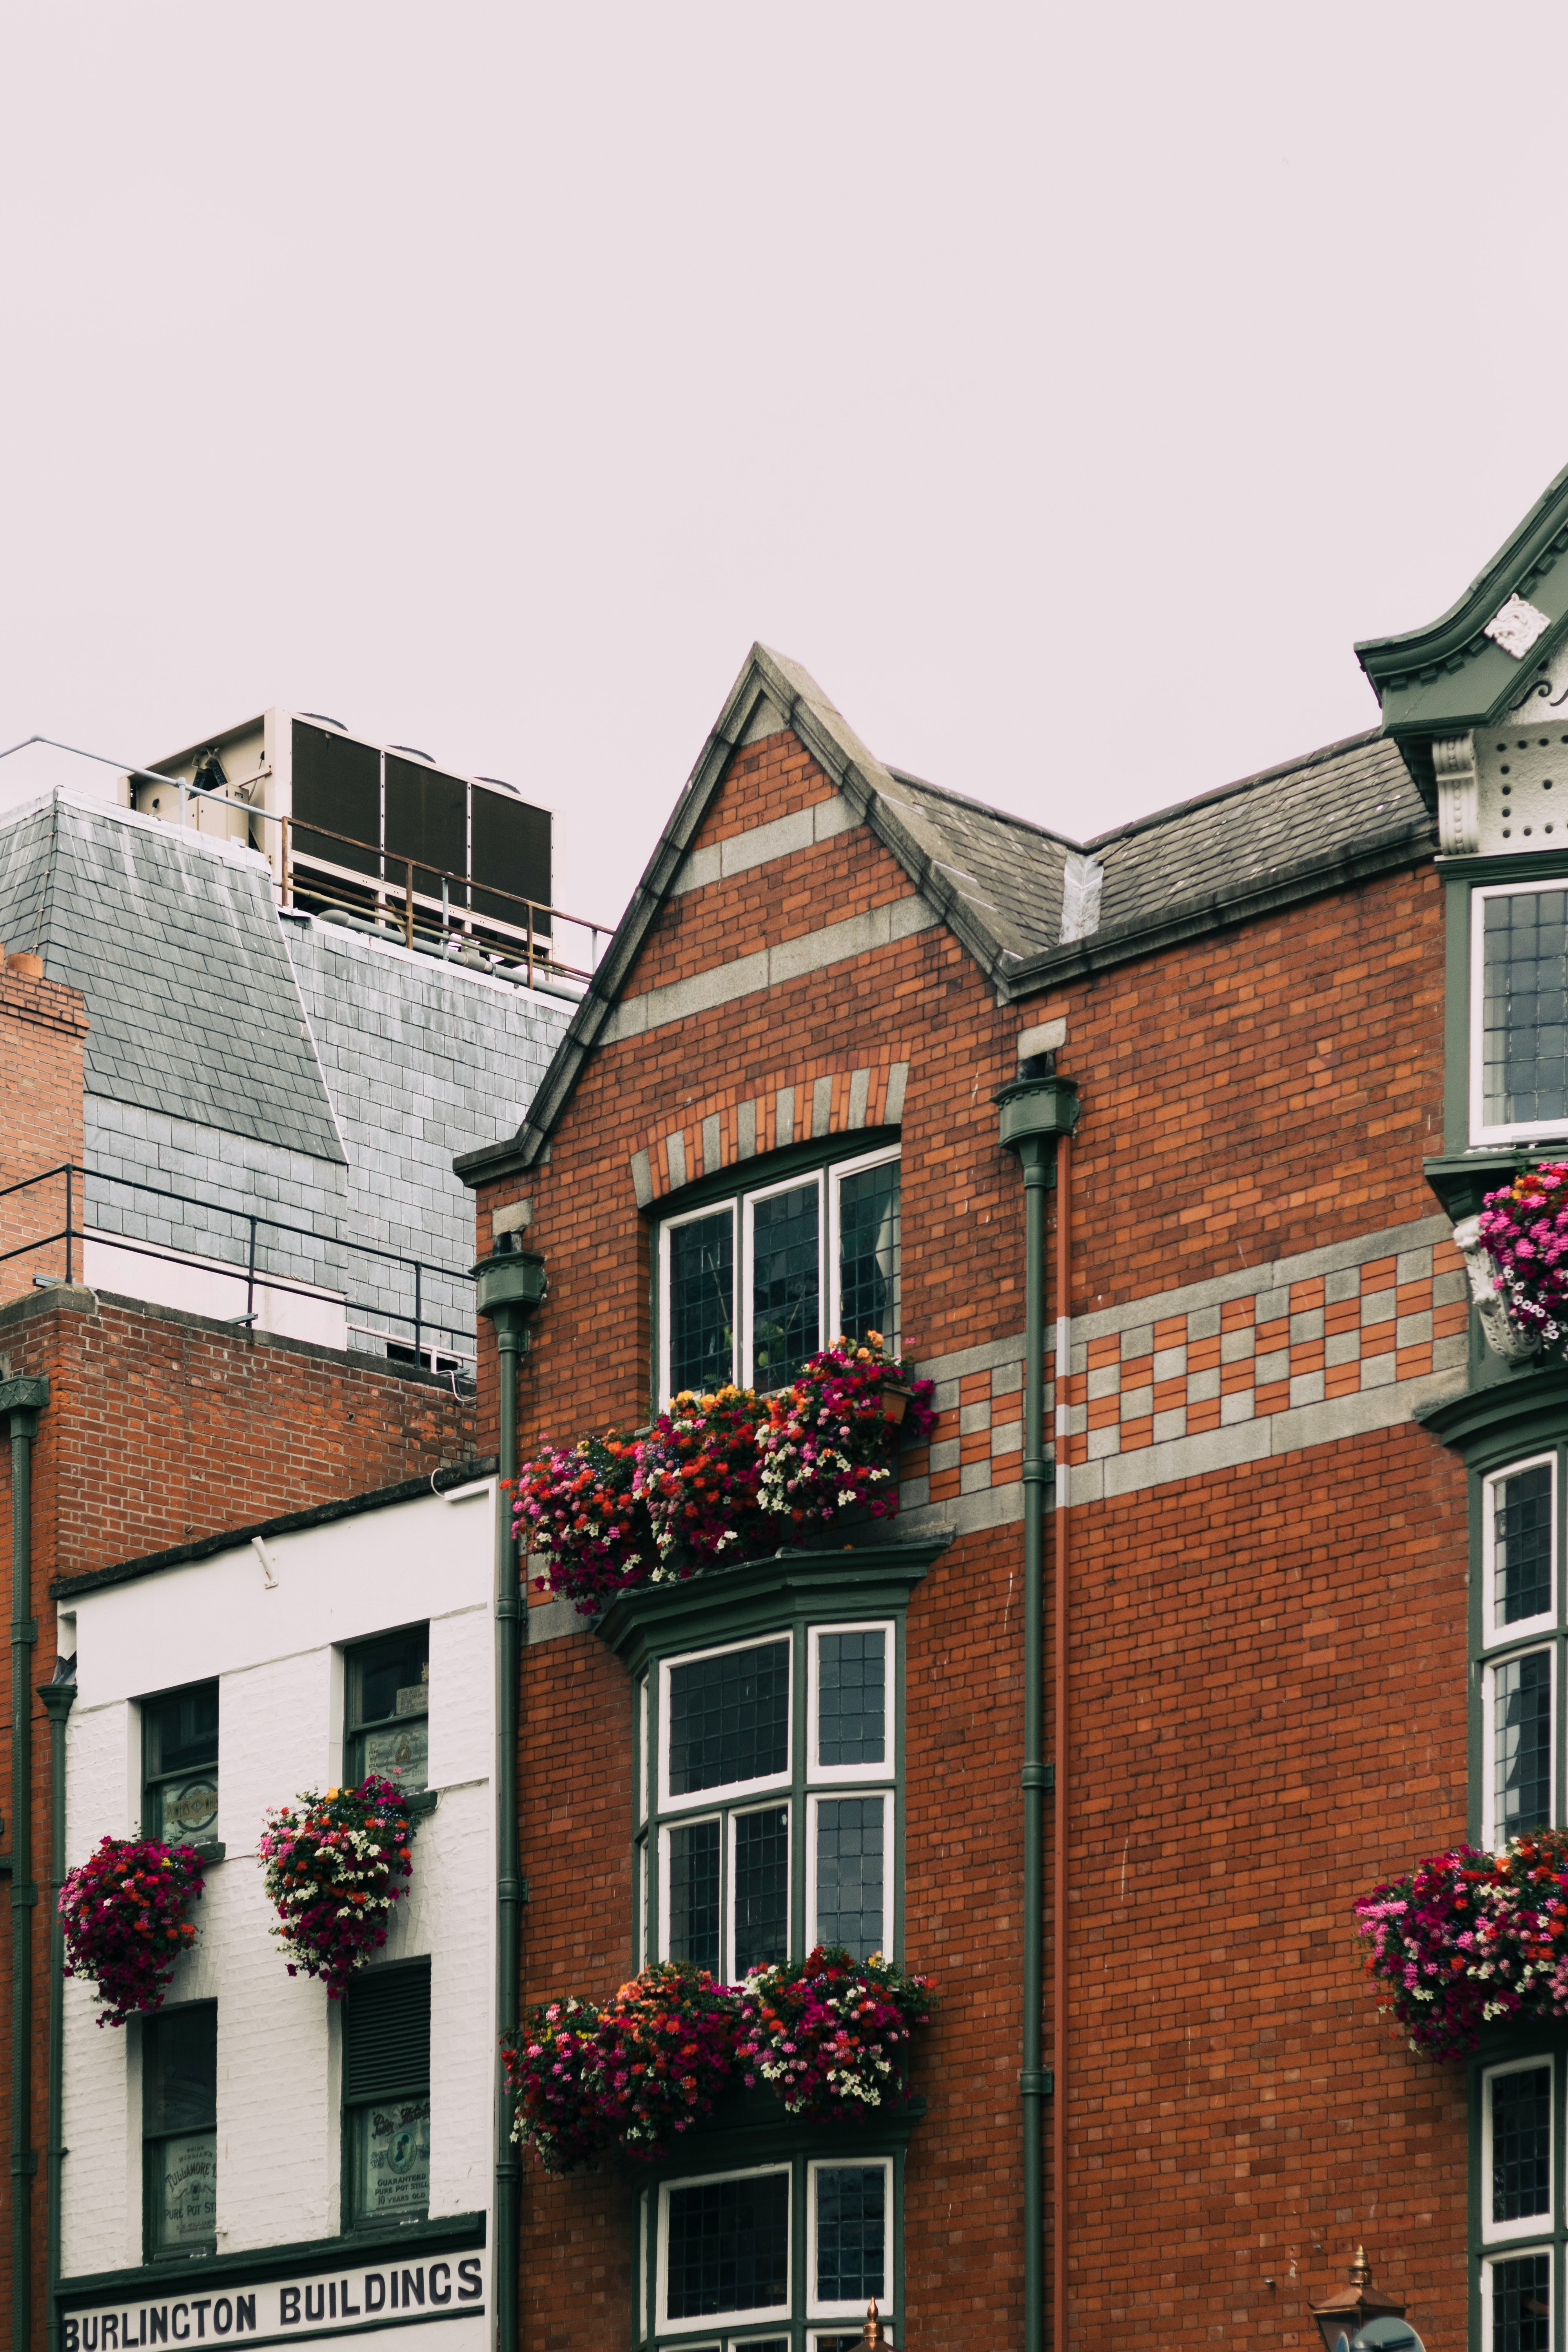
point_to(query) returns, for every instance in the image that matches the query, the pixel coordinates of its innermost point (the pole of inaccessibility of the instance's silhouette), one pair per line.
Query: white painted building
(255, 2162)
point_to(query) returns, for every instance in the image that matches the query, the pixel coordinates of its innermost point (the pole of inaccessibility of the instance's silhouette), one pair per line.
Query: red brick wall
(42, 1026)
(1248, 1095)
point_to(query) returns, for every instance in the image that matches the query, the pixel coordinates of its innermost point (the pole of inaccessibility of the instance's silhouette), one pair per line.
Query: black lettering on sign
(375, 2291)
(158, 2324)
(222, 2316)
(392, 2275)
(317, 2310)
(244, 2313)
(181, 2310)
(288, 2306)
(70, 2337)
(351, 2310)
(201, 2310)
(110, 2338)
(469, 2285)
(413, 2287)
(442, 2270)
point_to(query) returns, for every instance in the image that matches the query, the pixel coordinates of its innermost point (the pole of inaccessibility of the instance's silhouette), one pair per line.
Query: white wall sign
(316, 2303)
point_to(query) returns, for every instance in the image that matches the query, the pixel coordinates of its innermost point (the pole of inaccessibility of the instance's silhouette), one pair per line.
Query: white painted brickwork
(278, 1655)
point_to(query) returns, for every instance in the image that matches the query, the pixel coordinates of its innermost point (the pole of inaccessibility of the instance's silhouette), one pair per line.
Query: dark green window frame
(736, 1352)
(179, 2131)
(803, 2323)
(386, 2096)
(1519, 2239)
(180, 1785)
(1462, 877)
(1498, 1647)
(373, 1733)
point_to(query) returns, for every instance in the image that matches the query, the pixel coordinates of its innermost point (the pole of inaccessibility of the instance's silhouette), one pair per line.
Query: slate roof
(1338, 816)
(175, 945)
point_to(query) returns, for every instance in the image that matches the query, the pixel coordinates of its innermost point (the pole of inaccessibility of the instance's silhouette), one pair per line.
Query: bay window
(770, 1766)
(1518, 1011)
(749, 1286)
(1520, 1665)
(775, 2258)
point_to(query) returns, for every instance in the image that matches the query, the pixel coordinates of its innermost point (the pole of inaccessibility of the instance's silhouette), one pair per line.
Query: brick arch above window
(812, 1100)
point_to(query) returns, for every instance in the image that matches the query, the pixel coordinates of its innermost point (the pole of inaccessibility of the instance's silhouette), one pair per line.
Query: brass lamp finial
(873, 2332)
(1360, 2270)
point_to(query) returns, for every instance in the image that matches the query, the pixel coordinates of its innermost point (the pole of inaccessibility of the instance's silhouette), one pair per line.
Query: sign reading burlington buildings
(451, 2287)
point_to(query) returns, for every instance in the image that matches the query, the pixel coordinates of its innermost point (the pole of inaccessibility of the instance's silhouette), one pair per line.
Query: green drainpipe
(21, 1401)
(1035, 1110)
(512, 1287)
(58, 1698)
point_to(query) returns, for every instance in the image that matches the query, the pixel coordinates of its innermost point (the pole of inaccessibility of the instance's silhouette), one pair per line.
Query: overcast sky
(1065, 388)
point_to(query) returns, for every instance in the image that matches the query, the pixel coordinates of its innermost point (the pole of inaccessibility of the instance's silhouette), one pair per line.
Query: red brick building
(1259, 1527)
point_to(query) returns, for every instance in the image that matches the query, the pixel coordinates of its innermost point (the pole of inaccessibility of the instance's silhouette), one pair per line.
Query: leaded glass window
(819, 1256)
(721, 2249)
(1519, 2294)
(740, 1881)
(1523, 1511)
(1522, 1744)
(1522, 1028)
(699, 1309)
(179, 2129)
(1519, 2116)
(386, 2094)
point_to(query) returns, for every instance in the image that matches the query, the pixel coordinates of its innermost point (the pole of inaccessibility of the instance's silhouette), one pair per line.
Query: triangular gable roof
(1451, 675)
(996, 880)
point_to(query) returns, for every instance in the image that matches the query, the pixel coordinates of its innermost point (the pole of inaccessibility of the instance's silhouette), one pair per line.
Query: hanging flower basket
(698, 1473)
(1517, 1253)
(830, 2034)
(1470, 1939)
(574, 1507)
(830, 1445)
(125, 1917)
(634, 2075)
(332, 1866)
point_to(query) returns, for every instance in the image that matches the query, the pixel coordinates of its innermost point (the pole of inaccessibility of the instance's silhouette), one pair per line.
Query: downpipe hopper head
(510, 1284)
(1038, 1107)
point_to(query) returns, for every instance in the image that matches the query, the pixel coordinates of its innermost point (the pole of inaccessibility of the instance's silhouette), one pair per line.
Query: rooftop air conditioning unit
(351, 824)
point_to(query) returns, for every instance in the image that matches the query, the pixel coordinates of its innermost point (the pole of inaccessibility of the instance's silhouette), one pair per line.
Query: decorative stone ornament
(1516, 627)
(1458, 796)
(1503, 1336)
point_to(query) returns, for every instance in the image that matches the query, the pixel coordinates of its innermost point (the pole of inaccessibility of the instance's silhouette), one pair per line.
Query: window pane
(761, 1888)
(183, 1731)
(389, 1686)
(1522, 2304)
(184, 2191)
(1522, 1692)
(729, 2246)
(1522, 2143)
(729, 1719)
(849, 1874)
(693, 1933)
(868, 1254)
(399, 1752)
(1522, 1549)
(852, 1698)
(185, 1807)
(392, 2158)
(1524, 1012)
(786, 1316)
(851, 2202)
(180, 2069)
(701, 1303)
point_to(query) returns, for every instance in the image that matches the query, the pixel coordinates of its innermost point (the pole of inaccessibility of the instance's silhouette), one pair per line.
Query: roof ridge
(1242, 784)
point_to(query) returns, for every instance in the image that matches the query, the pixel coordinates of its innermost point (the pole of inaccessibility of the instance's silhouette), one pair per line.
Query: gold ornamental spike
(873, 2332)
(1361, 2269)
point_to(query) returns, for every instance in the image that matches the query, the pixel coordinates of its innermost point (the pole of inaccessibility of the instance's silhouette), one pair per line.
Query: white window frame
(750, 2321)
(1532, 2224)
(837, 1174)
(721, 1792)
(1493, 1835)
(1511, 2253)
(815, 1771)
(726, 1208)
(1492, 1632)
(854, 2309)
(833, 1795)
(1521, 1129)
(797, 1183)
(779, 1803)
